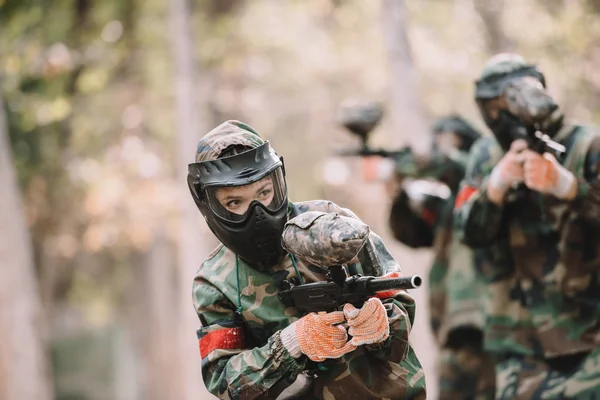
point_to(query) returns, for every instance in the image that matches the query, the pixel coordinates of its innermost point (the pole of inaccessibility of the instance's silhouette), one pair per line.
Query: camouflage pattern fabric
(459, 368)
(324, 239)
(452, 278)
(229, 133)
(455, 288)
(527, 99)
(243, 357)
(531, 379)
(543, 282)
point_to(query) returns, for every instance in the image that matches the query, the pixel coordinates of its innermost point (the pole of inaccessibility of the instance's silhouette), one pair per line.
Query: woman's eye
(265, 193)
(233, 204)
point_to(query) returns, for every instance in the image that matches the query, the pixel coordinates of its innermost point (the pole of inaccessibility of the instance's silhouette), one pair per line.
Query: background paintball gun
(360, 119)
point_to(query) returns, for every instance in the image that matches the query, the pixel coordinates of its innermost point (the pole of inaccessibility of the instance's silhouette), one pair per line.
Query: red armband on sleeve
(224, 338)
(464, 195)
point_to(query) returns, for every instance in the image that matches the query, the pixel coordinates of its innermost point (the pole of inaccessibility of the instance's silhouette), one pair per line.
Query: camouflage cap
(324, 239)
(227, 134)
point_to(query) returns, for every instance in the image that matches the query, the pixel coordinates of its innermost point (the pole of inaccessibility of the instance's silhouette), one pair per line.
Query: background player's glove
(509, 170)
(369, 324)
(545, 175)
(317, 336)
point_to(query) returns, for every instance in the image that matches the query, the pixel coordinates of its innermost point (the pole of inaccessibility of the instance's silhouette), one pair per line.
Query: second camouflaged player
(540, 216)
(252, 345)
(421, 216)
(455, 303)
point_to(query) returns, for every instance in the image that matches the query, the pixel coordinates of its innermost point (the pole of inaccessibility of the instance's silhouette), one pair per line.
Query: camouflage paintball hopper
(324, 239)
(360, 117)
(527, 99)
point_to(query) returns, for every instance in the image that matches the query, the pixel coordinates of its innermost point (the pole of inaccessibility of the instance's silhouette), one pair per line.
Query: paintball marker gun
(340, 289)
(331, 241)
(360, 119)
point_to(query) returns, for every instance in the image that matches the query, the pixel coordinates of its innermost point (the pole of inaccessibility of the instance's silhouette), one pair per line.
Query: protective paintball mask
(244, 201)
(523, 107)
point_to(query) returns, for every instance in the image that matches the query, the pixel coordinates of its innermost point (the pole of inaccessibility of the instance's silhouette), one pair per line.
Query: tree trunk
(490, 13)
(195, 241)
(23, 359)
(153, 299)
(409, 126)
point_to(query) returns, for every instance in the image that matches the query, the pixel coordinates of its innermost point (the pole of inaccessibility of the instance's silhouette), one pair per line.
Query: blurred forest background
(104, 100)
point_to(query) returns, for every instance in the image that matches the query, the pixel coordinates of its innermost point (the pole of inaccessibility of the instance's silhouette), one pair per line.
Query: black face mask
(257, 239)
(508, 128)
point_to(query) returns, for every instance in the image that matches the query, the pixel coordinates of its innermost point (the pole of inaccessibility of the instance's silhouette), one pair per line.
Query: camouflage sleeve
(230, 369)
(376, 260)
(447, 168)
(407, 226)
(587, 199)
(477, 219)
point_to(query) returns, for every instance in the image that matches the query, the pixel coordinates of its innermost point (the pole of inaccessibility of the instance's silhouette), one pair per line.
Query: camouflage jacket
(454, 286)
(543, 281)
(243, 358)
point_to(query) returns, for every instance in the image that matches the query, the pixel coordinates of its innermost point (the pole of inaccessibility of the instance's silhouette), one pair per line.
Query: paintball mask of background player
(513, 100)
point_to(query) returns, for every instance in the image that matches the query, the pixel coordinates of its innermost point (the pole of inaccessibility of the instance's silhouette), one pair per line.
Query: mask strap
(237, 278)
(296, 268)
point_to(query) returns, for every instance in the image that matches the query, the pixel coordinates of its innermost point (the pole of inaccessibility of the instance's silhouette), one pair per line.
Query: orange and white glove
(317, 336)
(369, 324)
(545, 175)
(509, 170)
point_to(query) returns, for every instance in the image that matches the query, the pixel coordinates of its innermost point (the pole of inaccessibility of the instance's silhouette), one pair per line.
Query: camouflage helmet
(238, 184)
(460, 126)
(501, 69)
(228, 134)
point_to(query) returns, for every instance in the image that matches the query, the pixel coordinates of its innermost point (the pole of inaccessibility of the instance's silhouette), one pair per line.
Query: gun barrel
(403, 283)
(366, 152)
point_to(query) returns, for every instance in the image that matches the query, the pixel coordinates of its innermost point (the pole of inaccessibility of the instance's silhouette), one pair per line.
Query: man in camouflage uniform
(421, 216)
(540, 217)
(251, 345)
